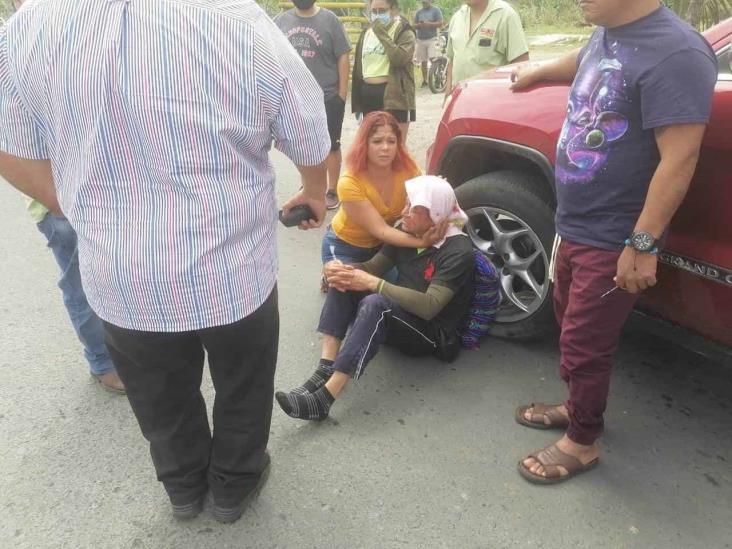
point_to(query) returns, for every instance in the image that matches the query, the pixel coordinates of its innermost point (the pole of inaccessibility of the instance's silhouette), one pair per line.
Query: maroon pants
(590, 330)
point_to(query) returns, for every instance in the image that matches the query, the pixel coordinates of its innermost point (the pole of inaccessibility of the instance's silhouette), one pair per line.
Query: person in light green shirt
(483, 34)
(375, 61)
(36, 210)
(383, 72)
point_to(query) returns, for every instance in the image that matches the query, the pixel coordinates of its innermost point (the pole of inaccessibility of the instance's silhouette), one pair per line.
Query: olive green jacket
(400, 88)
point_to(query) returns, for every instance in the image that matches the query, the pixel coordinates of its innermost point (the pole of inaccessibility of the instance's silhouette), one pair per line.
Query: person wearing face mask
(319, 37)
(419, 314)
(383, 74)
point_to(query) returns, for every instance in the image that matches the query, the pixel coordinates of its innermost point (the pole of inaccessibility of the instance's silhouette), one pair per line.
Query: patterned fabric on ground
(484, 306)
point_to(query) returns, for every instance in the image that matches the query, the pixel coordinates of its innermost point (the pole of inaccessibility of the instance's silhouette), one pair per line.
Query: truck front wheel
(513, 224)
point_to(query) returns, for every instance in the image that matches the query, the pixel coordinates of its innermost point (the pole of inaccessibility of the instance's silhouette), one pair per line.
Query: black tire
(437, 75)
(519, 195)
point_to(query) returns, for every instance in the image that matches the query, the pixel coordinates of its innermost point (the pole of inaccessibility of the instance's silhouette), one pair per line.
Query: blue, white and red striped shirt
(157, 117)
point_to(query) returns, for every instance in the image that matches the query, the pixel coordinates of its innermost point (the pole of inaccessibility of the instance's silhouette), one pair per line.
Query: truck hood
(487, 106)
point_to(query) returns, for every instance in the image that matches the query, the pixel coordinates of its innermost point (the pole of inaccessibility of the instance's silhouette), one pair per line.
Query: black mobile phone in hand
(297, 215)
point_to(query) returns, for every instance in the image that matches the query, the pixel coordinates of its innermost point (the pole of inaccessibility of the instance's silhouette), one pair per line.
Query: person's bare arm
(31, 177)
(363, 214)
(563, 69)
(314, 182)
(679, 146)
(344, 67)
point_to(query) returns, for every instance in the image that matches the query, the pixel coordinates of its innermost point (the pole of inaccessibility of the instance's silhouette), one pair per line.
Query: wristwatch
(642, 242)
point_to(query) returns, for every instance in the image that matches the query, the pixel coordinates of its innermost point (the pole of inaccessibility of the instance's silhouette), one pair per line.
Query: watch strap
(652, 251)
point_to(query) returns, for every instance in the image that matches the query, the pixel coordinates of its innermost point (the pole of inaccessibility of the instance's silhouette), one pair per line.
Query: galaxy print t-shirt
(654, 72)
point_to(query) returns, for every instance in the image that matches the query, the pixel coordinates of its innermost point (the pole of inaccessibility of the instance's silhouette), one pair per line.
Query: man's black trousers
(162, 374)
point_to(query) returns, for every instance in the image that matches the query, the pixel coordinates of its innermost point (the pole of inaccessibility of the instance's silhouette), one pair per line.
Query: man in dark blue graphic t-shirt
(638, 107)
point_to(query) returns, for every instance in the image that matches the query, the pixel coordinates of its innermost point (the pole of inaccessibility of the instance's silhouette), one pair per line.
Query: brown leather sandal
(552, 458)
(550, 411)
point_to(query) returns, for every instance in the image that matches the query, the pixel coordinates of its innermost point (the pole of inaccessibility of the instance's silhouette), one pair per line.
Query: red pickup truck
(498, 149)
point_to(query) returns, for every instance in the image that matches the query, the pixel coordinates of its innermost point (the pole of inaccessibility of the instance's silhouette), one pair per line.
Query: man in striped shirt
(148, 125)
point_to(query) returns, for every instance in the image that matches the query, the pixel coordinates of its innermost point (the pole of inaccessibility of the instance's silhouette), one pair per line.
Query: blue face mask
(385, 18)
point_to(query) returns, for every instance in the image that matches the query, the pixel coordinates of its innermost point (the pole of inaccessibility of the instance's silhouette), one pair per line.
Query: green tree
(702, 13)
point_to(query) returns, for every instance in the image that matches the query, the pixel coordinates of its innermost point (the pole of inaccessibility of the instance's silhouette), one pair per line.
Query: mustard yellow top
(357, 189)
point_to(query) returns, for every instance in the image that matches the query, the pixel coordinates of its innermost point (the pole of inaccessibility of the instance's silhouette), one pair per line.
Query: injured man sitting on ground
(419, 315)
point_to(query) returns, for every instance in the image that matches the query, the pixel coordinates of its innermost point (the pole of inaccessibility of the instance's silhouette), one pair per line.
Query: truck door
(695, 272)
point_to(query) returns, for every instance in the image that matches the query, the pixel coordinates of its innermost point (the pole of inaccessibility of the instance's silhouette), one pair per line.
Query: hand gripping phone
(297, 215)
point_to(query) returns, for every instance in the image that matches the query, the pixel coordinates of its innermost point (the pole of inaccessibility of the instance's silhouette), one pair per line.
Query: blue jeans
(335, 248)
(62, 241)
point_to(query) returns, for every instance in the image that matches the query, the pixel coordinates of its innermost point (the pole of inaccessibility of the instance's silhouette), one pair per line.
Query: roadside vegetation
(552, 16)
(540, 16)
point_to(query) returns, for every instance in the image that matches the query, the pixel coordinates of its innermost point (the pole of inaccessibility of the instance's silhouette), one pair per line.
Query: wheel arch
(467, 157)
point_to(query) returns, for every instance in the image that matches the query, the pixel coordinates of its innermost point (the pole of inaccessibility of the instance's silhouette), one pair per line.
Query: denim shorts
(335, 248)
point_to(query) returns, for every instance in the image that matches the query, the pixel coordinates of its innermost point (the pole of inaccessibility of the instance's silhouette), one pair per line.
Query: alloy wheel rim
(519, 256)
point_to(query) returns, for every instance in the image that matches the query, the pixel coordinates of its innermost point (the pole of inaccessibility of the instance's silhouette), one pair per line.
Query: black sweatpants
(373, 319)
(162, 374)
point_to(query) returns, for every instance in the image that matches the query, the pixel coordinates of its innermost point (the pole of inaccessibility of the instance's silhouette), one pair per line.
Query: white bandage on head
(438, 196)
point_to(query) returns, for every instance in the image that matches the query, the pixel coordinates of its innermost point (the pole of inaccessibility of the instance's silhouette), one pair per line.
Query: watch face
(643, 242)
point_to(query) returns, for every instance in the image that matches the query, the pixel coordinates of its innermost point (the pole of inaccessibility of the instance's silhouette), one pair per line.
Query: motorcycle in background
(437, 75)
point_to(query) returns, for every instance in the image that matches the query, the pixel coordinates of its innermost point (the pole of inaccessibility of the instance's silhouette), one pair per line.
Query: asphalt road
(417, 454)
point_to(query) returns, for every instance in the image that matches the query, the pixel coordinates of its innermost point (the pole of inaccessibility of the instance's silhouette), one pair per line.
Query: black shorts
(335, 109)
(372, 99)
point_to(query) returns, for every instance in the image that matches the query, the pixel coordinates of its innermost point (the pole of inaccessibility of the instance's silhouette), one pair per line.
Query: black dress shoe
(232, 514)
